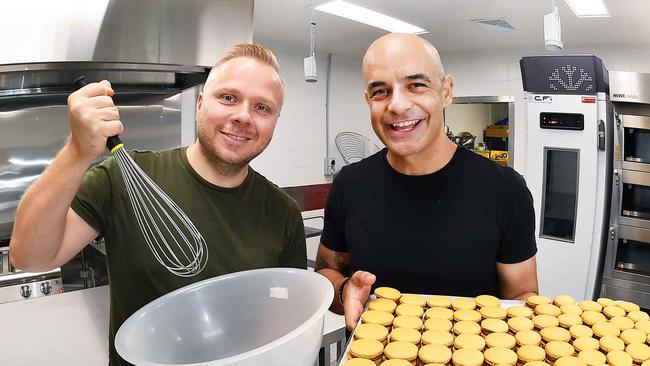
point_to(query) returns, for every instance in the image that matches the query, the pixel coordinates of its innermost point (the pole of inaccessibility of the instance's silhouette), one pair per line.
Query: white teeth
(404, 124)
(238, 138)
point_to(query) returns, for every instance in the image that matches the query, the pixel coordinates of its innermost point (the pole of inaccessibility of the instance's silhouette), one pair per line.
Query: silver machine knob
(46, 288)
(25, 291)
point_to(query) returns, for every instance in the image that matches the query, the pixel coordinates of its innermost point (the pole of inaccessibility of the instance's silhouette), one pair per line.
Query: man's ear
(199, 102)
(448, 90)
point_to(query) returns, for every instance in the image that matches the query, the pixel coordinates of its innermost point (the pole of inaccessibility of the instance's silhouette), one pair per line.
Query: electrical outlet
(329, 165)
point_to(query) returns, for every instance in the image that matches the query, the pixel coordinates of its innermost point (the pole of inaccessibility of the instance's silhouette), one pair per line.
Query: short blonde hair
(254, 51)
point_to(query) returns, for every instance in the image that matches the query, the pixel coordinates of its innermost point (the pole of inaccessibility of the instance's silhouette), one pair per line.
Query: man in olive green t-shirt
(247, 221)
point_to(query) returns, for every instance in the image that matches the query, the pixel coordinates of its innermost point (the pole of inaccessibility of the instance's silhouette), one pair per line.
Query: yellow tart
(467, 357)
(382, 305)
(592, 357)
(612, 311)
(606, 329)
(519, 323)
(500, 340)
(465, 327)
(407, 322)
(437, 337)
(434, 353)
(630, 336)
(439, 301)
(388, 293)
(545, 321)
(564, 300)
(500, 356)
(487, 301)
(528, 337)
(371, 331)
(589, 305)
(470, 341)
(405, 335)
(548, 309)
(638, 315)
(369, 349)
(407, 309)
(402, 351)
(555, 334)
(585, 343)
(467, 315)
(493, 326)
(531, 353)
(439, 324)
(463, 303)
(493, 312)
(413, 300)
(619, 358)
(571, 309)
(439, 312)
(377, 317)
(578, 331)
(611, 343)
(519, 311)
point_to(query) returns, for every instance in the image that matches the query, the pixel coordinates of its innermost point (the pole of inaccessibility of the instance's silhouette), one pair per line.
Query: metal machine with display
(569, 165)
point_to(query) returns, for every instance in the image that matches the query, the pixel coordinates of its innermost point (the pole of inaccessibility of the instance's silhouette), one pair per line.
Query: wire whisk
(170, 234)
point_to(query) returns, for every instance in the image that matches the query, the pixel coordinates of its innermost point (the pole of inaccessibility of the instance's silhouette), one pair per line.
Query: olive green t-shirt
(254, 225)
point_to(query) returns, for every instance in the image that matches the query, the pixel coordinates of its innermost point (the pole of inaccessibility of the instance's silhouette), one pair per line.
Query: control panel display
(562, 121)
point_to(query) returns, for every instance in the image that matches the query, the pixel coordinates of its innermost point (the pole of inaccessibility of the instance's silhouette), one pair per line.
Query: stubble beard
(223, 166)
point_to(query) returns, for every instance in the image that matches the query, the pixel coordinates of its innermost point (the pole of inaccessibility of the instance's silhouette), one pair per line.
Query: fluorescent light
(370, 17)
(588, 8)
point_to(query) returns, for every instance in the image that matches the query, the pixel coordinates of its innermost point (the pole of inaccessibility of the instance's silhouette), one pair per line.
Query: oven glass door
(635, 201)
(636, 142)
(633, 251)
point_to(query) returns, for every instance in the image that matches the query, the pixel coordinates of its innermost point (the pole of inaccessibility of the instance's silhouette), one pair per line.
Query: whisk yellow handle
(113, 143)
(116, 147)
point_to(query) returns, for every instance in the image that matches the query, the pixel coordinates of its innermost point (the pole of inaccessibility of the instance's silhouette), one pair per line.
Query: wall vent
(494, 24)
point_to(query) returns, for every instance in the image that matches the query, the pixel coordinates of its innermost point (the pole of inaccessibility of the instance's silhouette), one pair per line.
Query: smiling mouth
(235, 137)
(405, 126)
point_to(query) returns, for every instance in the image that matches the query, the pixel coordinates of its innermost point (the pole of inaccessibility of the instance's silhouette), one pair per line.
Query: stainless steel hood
(41, 84)
(19, 82)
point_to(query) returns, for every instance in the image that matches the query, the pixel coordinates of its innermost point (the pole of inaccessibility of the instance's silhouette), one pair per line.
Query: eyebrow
(376, 84)
(418, 77)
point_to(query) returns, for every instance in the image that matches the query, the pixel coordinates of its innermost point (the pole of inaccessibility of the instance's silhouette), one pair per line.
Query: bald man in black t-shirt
(423, 215)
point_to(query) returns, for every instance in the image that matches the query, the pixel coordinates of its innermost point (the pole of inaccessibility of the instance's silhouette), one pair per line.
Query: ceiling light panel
(370, 17)
(588, 8)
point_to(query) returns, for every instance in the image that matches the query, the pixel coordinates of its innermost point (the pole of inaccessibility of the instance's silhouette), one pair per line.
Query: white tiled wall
(296, 154)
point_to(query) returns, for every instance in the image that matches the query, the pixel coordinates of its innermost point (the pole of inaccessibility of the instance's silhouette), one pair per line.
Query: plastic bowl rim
(320, 312)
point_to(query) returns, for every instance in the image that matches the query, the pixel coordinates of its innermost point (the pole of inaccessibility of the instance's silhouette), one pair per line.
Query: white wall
(296, 154)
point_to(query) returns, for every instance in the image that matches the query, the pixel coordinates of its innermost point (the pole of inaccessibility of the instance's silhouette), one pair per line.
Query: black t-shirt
(440, 233)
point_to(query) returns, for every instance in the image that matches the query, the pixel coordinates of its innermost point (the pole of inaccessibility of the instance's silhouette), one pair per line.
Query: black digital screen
(564, 74)
(562, 121)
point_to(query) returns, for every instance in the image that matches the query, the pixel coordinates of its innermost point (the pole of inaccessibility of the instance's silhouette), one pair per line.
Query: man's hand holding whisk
(93, 118)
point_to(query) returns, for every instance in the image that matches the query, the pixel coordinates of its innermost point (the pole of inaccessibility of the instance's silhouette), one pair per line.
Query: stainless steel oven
(18, 285)
(635, 198)
(636, 142)
(626, 270)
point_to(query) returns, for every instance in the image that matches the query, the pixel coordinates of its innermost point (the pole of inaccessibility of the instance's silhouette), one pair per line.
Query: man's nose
(243, 113)
(399, 102)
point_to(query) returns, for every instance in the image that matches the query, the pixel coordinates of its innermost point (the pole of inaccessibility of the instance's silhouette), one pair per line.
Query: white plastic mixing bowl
(270, 317)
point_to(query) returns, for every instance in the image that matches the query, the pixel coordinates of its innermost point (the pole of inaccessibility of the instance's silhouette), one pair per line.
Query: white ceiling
(287, 22)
